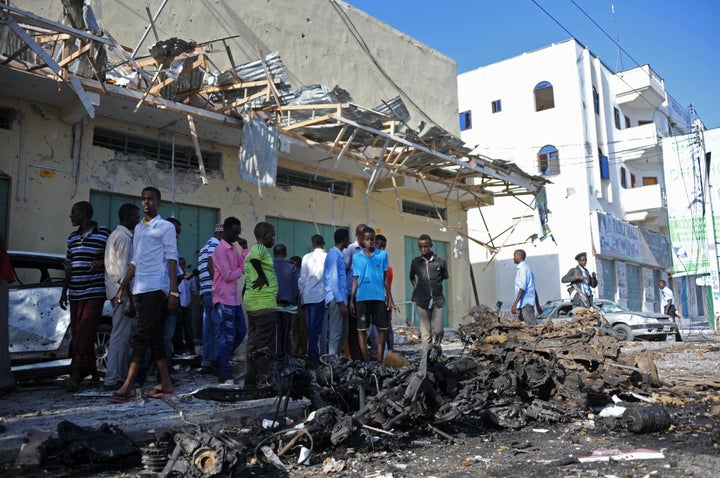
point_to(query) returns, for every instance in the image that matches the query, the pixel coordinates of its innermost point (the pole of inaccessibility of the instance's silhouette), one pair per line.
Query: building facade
(55, 153)
(595, 134)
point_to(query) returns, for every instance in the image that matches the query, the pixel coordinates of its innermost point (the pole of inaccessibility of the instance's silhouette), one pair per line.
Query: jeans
(431, 325)
(314, 317)
(209, 350)
(337, 330)
(230, 329)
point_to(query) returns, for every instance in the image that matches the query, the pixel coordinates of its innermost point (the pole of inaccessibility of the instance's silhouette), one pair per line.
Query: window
(627, 122)
(604, 167)
(7, 116)
(649, 181)
(617, 118)
(287, 178)
(623, 177)
(642, 122)
(496, 106)
(548, 160)
(423, 209)
(544, 99)
(465, 120)
(159, 151)
(632, 180)
(596, 101)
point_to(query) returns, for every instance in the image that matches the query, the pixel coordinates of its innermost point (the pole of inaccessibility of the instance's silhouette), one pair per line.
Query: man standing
(209, 353)
(336, 293)
(84, 287)
(228, 266)
(183, 339)
(260, 301)
(348, 255)
(381, 243)
(313, 295)
(118, 254)
(427, 272)
(370, 291)
(288, 298)
(154, 255)
(667, 302)
(526, 298)
(581, 282)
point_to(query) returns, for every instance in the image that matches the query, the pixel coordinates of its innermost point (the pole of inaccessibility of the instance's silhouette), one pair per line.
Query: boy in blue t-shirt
(370, 289)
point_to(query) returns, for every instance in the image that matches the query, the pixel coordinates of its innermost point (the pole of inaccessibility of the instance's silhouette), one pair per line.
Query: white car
(627, 324)
(39, 330)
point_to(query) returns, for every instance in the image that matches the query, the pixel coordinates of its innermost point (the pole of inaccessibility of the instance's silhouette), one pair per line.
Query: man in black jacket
(581, 282)
(427, 272)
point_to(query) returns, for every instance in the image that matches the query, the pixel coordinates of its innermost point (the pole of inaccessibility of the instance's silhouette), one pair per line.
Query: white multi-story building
(560, 113)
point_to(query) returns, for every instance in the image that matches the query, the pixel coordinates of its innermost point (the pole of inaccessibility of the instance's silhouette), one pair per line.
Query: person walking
(667, 303)
(313, 296)
(154, 255)
(118, 254)
(84, 289)
(206, 273)
(260, 299)
(581, 282)
(228, 267)
(427, 273)
(526, 297)
(336, 293)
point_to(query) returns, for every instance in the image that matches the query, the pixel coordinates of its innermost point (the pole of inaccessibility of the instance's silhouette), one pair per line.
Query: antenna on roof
(617, 40)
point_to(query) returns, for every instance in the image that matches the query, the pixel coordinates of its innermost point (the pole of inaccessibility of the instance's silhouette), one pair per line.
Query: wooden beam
(198, 152)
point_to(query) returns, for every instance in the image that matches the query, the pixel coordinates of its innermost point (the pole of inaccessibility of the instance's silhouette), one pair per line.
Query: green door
(411, 252)
(296, 235)
(198, 223)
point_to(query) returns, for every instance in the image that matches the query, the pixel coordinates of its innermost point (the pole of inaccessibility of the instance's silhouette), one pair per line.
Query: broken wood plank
(198, 152)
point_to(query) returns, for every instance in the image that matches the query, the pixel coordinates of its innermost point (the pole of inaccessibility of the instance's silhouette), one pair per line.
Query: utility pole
(709, 216)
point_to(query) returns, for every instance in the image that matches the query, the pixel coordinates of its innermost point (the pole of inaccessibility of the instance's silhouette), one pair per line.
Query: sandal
(158, 393)
(121, 397)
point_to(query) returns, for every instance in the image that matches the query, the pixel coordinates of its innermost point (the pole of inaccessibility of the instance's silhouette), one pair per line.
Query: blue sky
(679, 39)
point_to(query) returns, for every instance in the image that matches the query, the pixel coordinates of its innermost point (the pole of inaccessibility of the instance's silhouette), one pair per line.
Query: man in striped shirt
(84, 289)
(206, 274)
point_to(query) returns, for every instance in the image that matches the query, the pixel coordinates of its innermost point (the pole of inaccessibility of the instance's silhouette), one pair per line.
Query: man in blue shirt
(526, 298)
(370, 289)
(336, 294)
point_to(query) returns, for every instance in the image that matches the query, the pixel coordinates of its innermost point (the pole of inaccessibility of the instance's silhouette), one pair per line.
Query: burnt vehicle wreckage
(507, 376)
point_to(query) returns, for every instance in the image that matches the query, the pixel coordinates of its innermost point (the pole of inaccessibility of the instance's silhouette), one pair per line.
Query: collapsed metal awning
(175, 78)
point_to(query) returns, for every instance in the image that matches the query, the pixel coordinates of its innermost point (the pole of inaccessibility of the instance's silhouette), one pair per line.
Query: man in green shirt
(260, 303)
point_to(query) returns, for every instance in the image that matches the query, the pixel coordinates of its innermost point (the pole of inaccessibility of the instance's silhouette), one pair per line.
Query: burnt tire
(623, 332)
(102, 342)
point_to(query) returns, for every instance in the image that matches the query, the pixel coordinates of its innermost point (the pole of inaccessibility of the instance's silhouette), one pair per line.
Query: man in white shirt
(154, 254)
(118, 254)
(313, 296)
(667, 303)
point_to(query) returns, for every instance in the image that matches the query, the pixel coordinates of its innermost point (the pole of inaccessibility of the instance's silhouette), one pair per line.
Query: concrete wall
(314, 42)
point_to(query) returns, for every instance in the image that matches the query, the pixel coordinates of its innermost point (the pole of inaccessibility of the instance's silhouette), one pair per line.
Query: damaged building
(310, 116)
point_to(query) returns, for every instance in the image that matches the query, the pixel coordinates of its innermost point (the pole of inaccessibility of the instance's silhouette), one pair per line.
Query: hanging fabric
(258, 155)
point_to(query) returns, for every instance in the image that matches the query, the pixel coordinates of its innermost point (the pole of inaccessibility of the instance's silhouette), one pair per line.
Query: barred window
(287, 178)
(424, 210)
(160, 151)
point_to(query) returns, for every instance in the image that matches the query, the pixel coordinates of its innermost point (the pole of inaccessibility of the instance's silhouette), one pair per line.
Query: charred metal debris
(507, 376)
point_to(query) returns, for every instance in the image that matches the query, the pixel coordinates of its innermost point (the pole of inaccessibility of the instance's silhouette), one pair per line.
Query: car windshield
(608, 306)
(546, 310)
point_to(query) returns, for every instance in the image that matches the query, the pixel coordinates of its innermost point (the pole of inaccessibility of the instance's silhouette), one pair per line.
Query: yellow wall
(38, 215)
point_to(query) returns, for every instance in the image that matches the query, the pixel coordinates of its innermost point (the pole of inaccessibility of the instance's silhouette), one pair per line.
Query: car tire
(102, 342)
(623, 332)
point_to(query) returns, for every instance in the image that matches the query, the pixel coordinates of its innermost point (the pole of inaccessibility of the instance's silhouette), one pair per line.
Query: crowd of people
(334, 302)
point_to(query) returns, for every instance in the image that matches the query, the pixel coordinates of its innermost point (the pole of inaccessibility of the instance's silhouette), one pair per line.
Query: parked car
(39, 330)
(628, 324)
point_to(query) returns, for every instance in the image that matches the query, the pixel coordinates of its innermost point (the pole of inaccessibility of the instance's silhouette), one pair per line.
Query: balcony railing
(638, 143)
(642, 199)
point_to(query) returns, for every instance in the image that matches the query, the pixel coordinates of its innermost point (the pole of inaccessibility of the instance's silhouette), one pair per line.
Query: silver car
(628, 324)
(39, 330)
